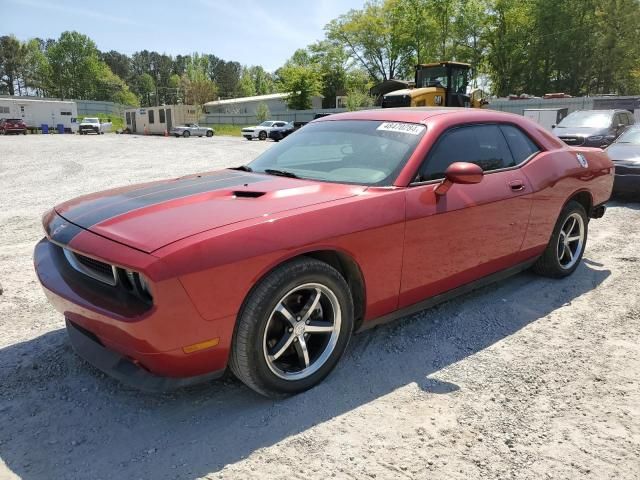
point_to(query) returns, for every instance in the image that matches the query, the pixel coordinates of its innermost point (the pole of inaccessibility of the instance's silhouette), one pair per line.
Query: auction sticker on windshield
(410, 128)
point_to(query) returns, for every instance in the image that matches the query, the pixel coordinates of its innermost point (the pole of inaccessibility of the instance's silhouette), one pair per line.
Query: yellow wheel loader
(441, 84)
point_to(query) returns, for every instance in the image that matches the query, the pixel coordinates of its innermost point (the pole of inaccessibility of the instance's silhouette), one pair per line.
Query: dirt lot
(529, 378)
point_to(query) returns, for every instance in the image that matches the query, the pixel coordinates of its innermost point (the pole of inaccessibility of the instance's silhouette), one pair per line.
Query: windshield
(13, 120)
(586, 119)
(631, 136)
(362, 152)
(91, 120)
(432, 77)
(266, 124)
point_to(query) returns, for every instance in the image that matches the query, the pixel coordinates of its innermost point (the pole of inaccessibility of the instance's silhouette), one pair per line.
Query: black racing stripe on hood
(95, 212)
(91, 206)
(61, 231)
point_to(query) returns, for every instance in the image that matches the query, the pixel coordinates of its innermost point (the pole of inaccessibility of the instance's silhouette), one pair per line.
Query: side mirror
(463, 173)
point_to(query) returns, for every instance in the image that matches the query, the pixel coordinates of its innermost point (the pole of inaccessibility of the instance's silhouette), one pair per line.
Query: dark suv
(593, 128)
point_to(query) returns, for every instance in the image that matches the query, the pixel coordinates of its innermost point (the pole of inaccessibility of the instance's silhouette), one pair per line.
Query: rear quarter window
(522, 147)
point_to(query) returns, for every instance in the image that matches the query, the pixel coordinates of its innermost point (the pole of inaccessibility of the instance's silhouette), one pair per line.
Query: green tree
(332, 62)
(262, 112)
(145, 86)
(301, 83)
(507, 39)
(74, 66)
(11, 59)
(246, 86)
(372, 38)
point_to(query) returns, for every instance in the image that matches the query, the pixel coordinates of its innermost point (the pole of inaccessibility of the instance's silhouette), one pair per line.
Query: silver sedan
(189, 129)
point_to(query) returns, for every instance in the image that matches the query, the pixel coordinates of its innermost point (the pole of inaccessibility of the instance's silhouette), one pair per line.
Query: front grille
(91, 267)
(573, 140)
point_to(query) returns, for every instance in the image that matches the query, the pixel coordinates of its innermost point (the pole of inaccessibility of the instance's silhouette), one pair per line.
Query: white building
(275, 102)
(37, 112)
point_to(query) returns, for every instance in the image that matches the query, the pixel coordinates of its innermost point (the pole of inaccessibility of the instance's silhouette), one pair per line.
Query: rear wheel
(209, 133)
(262, 135)
(186, 134)
(294, 327)
(566, 247)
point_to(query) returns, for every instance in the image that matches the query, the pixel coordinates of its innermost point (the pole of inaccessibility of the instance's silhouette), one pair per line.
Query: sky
(248, 31)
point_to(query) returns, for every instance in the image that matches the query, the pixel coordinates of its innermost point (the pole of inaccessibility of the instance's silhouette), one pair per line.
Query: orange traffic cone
(145, 130)
(166, 134)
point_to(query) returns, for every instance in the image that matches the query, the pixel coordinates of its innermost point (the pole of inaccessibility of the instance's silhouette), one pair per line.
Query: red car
(355, 219)
(12, 125)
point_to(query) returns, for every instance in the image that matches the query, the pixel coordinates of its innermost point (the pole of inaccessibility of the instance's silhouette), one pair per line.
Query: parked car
(625, 153)
(189, 129)
(315, 117)
(270, 267)
(278, 133)
(12, 125)
(593, 128)
(94, 125)
(261, 131)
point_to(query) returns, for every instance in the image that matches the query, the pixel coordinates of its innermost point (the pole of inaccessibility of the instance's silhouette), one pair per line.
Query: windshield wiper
(242, 168)
(281, 173)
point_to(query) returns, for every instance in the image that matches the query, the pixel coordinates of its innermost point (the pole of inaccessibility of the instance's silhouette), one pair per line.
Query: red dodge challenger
(356, 219)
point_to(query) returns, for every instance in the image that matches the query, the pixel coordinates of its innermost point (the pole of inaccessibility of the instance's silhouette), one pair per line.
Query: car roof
(440, 118)
(422, 114)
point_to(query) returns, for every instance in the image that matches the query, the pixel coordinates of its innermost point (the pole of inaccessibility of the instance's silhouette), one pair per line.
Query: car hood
(579, 131)
(150, 216)
(624, 151)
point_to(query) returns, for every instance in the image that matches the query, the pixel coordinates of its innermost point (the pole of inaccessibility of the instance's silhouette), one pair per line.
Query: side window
(522, 147)
(161, 115)
(631, 118)
(616, 120)
(151, 117)
(483, 145)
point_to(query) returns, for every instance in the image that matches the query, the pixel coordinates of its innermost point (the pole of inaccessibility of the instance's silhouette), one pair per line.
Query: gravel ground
(527, 379)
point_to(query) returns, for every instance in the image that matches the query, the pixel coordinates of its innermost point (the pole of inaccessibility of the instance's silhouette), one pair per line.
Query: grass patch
(227, 129)
(116, 120)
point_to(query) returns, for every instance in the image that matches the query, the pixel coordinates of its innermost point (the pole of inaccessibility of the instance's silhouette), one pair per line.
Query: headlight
(595, 138)
(138, 284)
(144, 285)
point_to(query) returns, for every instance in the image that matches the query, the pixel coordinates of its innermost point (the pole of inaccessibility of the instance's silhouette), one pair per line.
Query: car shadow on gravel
(60, 418)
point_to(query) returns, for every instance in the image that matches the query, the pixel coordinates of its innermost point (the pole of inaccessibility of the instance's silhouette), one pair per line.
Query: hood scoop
(247, 194)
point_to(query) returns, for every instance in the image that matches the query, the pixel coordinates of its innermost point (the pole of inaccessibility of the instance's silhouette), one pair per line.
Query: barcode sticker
(410, 128)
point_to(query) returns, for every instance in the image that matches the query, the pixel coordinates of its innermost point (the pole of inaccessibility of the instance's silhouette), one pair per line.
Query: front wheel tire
(293, 328)
(262, 135)
(568, 241)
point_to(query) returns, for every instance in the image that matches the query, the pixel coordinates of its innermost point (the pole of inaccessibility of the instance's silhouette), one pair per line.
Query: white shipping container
(36, 113)
(546, 117)
(158, 120)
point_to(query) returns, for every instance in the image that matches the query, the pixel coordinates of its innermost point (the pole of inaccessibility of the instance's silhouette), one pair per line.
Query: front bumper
(87, 346)
(155, 339)
(626, 185)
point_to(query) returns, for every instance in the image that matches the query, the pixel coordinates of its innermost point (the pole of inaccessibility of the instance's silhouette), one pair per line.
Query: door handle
(516, 185)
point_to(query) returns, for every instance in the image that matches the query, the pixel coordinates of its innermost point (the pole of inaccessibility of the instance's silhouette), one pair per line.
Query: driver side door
(472, 230)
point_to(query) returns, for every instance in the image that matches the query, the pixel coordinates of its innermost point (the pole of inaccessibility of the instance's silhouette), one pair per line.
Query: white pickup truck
(94, 125)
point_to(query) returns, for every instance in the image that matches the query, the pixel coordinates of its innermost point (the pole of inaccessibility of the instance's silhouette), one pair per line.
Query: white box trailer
(158, 120)
(546, 117)
(36, 112)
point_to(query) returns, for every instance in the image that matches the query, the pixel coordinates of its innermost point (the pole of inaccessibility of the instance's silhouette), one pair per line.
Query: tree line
(580, 47)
